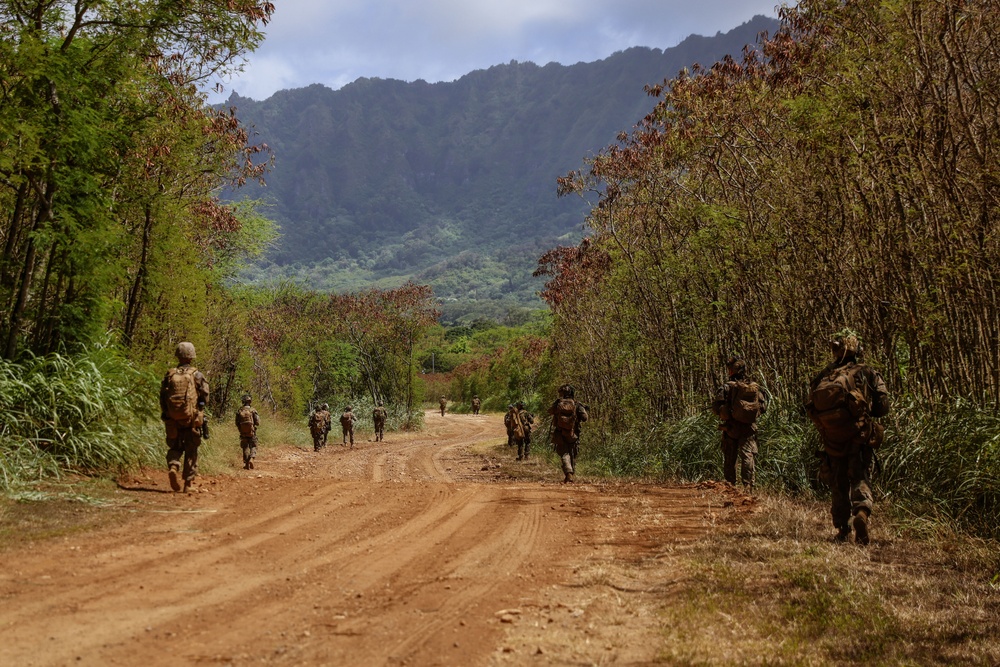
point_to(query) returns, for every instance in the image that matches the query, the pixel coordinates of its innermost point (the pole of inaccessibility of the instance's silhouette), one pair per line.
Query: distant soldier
(183, 394)
(347, 425)
(522, 436)
(476, 404)
(568, 415)
(443, 403)
(379, 415)
(319, 426)
(844, 399)
(247, 421)
(508, 421)
(738, 403)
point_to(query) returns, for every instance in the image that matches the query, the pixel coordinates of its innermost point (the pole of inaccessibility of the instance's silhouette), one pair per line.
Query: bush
(90, 412)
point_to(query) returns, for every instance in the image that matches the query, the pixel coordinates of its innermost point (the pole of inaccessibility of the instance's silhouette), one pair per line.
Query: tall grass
(935, 465)
(90, 412)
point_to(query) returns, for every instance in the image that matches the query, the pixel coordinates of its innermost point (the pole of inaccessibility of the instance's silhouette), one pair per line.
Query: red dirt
(402, 552)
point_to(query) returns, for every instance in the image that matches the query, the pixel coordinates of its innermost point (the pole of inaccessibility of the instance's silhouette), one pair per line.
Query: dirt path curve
(407, 552)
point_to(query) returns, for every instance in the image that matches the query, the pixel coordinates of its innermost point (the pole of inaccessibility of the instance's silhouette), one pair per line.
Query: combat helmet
(347, 409)
(845, 344)
(246, 399)
(736, 366)
(325, 406)
(184, 351)
(566, 391)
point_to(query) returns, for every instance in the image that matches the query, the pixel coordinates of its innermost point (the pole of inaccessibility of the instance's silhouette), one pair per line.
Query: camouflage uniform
(527, 421)
(508, 421)
(183, 440)
(347, 425)
(476, 404)
(565, 442)
(248, 443)
(443, 403)
(739, 439)
(846, 465)
(379, 415)
(319, 426)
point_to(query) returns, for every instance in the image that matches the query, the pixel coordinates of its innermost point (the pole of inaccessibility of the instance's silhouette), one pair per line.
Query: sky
(334, 42)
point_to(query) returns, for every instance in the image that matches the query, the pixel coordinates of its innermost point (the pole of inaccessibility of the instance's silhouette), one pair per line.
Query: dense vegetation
(116, 246)
(448, 184)
(846, 176)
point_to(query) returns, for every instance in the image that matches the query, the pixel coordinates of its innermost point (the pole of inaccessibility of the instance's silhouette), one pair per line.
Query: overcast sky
(334, 42)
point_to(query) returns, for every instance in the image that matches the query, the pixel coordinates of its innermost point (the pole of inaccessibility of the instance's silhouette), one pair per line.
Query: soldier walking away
(523, 422)
(443, 403)
(738, 403)
(568, 415)
(379, 415)
(319, 426)
(183, 394)
(247, 421)
(347, 425)
(844, 400)
(508, 421)
(476, 404)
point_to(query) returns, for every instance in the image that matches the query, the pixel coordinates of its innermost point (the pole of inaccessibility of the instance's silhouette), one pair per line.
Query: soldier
(347, 425)
(508, 421)
(247, 421)
(443, 403)
(522, 436)
(319, 426)
(379, 415)
(476, 404)
(183, 394)
(738, 403)
(568, 415)
(844, 399)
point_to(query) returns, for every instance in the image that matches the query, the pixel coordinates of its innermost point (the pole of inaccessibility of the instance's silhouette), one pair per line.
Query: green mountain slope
(451, 183)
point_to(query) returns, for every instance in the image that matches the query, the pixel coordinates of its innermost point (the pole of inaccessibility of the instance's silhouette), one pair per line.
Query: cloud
(334, 42)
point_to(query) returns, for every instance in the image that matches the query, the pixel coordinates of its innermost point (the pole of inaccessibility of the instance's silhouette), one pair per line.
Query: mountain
(453, 183)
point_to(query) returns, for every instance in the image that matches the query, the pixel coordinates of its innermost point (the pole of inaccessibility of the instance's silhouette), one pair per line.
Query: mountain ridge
(384, 180)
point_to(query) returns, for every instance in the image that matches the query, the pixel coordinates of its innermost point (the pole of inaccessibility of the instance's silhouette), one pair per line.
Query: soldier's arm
(880, 395)
(256, 418)
(581, 413)
(202, 385)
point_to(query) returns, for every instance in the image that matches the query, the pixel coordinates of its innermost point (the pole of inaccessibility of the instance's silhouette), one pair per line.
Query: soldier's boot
(188, 486)
(861, 528)
(843, 534)
(250, 464)
(568, 479)
(175, 477)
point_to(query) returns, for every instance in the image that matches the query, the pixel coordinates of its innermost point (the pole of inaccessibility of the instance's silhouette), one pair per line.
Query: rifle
(204, 427)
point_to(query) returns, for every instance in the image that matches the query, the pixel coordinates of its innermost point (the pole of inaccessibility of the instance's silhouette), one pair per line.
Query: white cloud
(335, 42)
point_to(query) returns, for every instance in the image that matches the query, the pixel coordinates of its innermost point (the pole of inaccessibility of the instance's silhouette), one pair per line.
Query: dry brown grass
(775, 590)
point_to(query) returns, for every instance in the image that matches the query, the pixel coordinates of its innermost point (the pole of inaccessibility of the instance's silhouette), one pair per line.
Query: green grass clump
(90, 412)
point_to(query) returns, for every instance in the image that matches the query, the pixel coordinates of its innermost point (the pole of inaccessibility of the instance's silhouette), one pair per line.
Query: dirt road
(414, 551)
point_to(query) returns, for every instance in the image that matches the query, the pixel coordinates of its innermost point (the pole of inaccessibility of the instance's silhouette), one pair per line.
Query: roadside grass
(776, 590)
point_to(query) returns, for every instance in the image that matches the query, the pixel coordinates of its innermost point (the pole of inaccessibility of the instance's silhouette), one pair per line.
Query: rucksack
(564, 415)
(244, 421)
(182, 397)
(517, 425)
(346, 419)
(837, 407)
(318, 422)
(744, 402)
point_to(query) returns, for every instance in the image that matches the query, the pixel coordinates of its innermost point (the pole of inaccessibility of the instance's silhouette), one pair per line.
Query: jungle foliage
(844, 174)
(116, 245)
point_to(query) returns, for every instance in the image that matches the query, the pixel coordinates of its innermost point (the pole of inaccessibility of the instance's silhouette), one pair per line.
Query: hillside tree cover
(844, 176)
(116, 244)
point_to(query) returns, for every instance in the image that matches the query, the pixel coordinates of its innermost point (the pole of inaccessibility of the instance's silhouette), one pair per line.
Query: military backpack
(745, 405)
(244, 421)
(838, 407)
(564, 415)
(182, 397)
